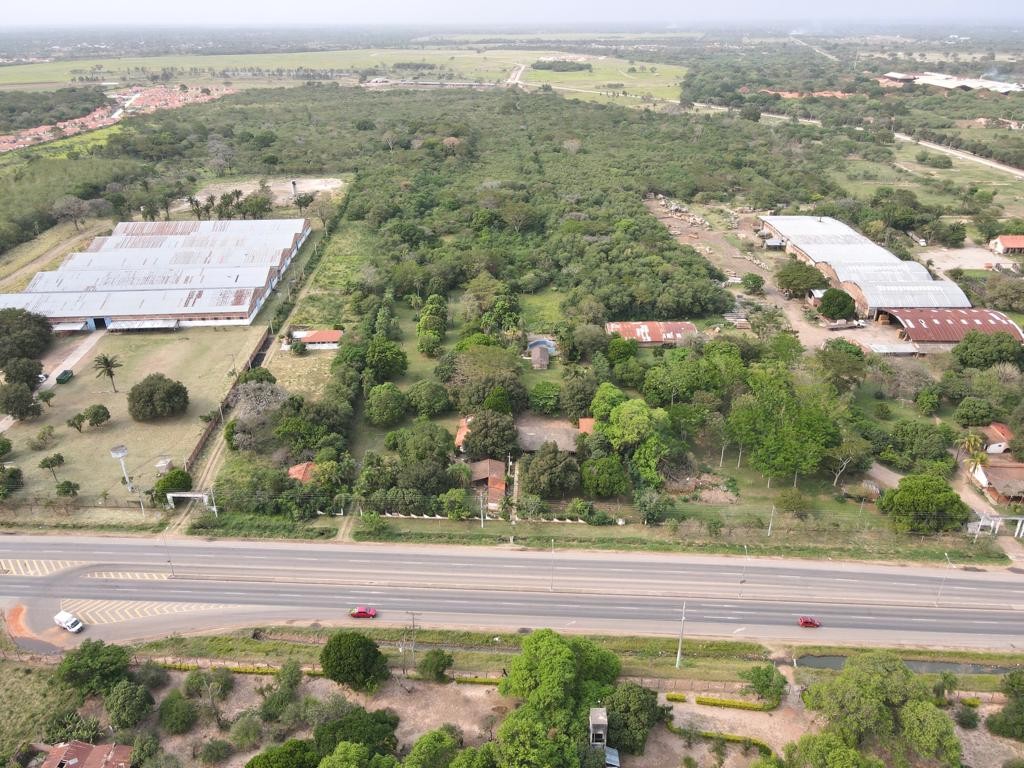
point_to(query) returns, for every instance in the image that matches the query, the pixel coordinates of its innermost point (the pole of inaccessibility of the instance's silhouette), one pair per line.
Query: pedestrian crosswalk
(129, 575)
(36, 567)
(115, 611)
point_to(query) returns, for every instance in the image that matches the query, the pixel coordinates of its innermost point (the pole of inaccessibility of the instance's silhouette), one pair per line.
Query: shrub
(177, 714)
(145, 746)
(973, 412)
(792, 500)
(767, 682)
(156, 397)
(966, 717)
(246, 732)
(127, 704)
(215, 751)
(151, 675)
(355, 660)
(675, 696)
(175, 480)
(753, 706)
(71, 726)
(971, 701)
(434, 665)
(195, 683)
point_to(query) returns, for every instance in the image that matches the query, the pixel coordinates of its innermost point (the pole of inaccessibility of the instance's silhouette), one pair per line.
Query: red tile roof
(494, 473)
(951, 325)
(652, 332)
(78, 754)
(462, 432)
(302, 472)
(1011, 241)
(322, 337)
(587, 426)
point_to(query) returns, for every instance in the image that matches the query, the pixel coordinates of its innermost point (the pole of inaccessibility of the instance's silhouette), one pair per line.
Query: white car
(68, 621)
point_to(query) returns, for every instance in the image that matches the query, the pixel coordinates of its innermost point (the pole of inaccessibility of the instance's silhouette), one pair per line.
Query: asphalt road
(508, 589)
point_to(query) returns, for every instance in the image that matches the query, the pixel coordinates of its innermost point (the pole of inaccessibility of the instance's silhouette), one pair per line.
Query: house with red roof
(1008, 244)
(302, 472)
(78, 754)
(489, 474)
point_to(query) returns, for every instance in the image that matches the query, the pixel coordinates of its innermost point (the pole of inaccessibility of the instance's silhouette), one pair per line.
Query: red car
(808, 621)
(363, 612)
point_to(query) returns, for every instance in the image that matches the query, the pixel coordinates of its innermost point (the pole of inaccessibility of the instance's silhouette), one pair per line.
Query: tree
(347, 754)
(491, 435)
(16, 400)
(94, 667)
(76, 422)
(973, 412)
(174, 480)
(823, 750)
(68, 488)
(355, 660)
(752, 283)
(384, 360)
(293, 753)
(303, 200)
(375, 730)
(257, 374)
(105, 365)
(843, 364)
(924, 504)
(796, 278)
(632, 711)
(428, 398)
(96, 415)
(766, 681)
(605, 477)
(23, 334)
(5, 448)
(837, 305)
(549, 472)
(1009, 721)
(23, 370)
(969, 443)
(983, 350)
(46, 396)
(157, 396)
(73, 209)
(852, 452)
(607, 397)
(434, 749)
(929, 732)
(544, 398)
(51, 463)
(386, 405)
(927, 401)
(177, 714)
(434, 665)
(127, 704)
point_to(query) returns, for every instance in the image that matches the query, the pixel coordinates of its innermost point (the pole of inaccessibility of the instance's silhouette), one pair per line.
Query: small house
(489, 474)
(303, 472)
(1001, 480)
(323, 339)
(540, 358)
(1008, 244)
(587, 425)
(653, 333)
(78, 754)
(533, 341)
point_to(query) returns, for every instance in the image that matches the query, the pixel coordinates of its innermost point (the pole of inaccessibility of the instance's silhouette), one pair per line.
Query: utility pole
(743, 576)
(413, 615)
(481, 509)
(552, 587)
(770, 521)
(942, 583)
(679, 648)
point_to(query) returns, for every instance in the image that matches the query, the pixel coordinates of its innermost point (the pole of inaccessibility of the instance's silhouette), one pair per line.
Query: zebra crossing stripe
(115, 611)
(36, 567)
(129, 575)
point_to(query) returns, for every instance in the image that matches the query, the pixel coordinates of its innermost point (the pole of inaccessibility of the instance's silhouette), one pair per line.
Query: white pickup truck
(68, 621)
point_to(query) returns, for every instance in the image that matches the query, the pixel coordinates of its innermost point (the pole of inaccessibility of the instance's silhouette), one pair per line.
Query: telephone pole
(679, 648)
(413, 615)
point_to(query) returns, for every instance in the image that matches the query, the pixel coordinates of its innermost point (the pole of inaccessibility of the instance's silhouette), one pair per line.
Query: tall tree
(105, 365)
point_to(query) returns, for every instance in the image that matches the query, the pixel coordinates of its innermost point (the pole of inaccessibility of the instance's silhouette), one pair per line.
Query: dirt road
(61, 249)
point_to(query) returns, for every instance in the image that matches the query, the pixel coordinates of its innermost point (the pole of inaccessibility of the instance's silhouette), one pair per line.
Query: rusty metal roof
(652, 332)
(951, 325)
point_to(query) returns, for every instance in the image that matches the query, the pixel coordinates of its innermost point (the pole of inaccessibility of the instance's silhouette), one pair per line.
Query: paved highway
(129, 587)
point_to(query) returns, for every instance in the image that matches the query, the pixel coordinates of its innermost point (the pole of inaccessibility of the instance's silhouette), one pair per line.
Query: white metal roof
(885, 280)
(77, 280)
(162, 258)
(280, 240)
(132, 304)
(222, 226)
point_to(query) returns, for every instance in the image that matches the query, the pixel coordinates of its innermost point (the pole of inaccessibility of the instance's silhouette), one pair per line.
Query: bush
(156, 397)
(973, 412)
(792, 500)
(966, 717)
(355, 660)
(675, 696)
(145, 746)
(767, 682)
(71, 726)
(971, 701)
(246, 732)
(175, 480)
(177, 714)
(434, 665)
(94, 667)
(215, 751)
(151, 675)
(195, 683)
(753, 706)
(127, 704)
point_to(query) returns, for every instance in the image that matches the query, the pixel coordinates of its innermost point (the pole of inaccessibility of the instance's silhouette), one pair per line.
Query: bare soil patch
(280, 186)
(983, 748)
(665, 749)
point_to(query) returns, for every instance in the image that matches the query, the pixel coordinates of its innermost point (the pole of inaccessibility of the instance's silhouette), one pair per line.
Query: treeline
(27, 109)
(560, 65)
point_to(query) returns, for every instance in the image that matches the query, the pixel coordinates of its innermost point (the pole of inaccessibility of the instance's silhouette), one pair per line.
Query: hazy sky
(510, 12)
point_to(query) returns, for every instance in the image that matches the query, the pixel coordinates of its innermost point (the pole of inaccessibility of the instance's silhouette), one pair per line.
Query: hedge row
(731, 738)
(675, 696)
(478, 680)
(753, 706)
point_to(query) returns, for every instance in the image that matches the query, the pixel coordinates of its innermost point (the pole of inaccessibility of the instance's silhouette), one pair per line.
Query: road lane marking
(129, 575)
(117, 611)
(36, 567)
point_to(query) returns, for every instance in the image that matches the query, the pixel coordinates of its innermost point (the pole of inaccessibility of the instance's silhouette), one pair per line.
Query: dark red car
(808, 621)
(363, 612)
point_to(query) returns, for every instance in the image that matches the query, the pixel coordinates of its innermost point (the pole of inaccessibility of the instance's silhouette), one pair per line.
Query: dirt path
(963, 155)
(61, 249)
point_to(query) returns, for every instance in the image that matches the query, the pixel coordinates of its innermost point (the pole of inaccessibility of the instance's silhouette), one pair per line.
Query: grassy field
(29, 696)
(50, 243)
(326, 300)
(469, 64)
(199, 357)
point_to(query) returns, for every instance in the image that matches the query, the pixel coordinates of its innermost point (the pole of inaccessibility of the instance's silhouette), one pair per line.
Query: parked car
(68, 621)
(65, 376)
(363, 612)
(42, 377)
(809, 621)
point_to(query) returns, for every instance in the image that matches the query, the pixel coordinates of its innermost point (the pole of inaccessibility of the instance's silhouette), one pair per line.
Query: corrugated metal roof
(232, 226)
(79, 280)
(936, 293)
(160, 258)
(652, 332)
(951, 325)
(133, 304)
(279, 240)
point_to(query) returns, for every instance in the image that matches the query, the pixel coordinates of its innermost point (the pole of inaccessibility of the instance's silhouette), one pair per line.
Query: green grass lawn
(29, 696)
(201, 358)
(541, 311)
(325, 303)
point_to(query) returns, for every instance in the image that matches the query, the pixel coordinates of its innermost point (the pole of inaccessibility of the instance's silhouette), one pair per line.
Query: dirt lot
(280, 186)
(970, 257)
(982, 749)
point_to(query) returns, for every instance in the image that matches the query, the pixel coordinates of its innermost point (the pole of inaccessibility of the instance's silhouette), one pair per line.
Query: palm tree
(978, 459)
(104, 365)
(968, 444)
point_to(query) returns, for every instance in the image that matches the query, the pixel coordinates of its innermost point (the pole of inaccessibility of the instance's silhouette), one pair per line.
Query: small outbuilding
(540, 358)
(1008, 244)
(489, 474)
(303, 472)
(78, 754)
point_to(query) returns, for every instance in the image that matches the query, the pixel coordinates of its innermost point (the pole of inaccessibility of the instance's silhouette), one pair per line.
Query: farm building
(1001, 479)
(489, 474)
(540, 358)
(939, 329)
(653, 333)
(303, 473)
(324, 339)
(1008, 244)
(165, 275)
(875, 278)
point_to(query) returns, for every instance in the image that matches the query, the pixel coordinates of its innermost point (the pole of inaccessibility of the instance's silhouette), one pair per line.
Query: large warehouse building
(153, 275)
(875, 278)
